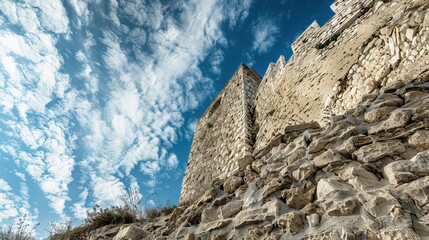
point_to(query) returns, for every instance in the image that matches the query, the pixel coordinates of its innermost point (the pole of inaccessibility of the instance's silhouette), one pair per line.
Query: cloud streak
(265, 33)
(113, 103)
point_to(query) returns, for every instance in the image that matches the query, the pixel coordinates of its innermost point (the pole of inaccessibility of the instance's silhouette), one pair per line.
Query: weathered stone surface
(300, 195)
(209, 226)
(304, 171)
(375, 114)
(329, 156)
(357, 176)
(131, 232)
(347, 234)
(326, 188)
(274, 185)
(376, 151)
(420, 140)
(209, 215)
(291, 222)
(399, 172)
(398, 118)
(341, 207)
(418, 190)
(230, 209)
(232, 183)
(267, 212)
(378, 203)
(405, 233)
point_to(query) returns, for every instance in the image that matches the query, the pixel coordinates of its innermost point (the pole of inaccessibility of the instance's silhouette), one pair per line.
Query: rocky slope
(363, 176)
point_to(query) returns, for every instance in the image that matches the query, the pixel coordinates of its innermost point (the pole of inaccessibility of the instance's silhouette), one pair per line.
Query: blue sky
(97, 96)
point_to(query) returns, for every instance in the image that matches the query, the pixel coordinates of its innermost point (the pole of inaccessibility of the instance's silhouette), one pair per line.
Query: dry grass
(96, 219)
(151, 213)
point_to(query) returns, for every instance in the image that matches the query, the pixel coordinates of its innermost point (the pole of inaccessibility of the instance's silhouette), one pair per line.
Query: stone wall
(224, 135)
(378, 43)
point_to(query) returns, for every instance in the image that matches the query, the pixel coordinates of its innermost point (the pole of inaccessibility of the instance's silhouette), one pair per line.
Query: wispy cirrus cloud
(91, 92)
(265, 33)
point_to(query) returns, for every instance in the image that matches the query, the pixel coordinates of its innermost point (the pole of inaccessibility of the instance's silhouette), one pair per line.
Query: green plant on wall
(328, 41)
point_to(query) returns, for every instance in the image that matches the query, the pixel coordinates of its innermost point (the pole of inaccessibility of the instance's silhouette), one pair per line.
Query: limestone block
(399, 172)
(274, 185)
(302, 127)
(296, 155)
(326, 188)
(131, 232)
(304, 171)
(209, 226)
(379, 150)
(387, 99)
(378, 203)
(375, 114)
(299, 196)
(418, 190)
(340, 207)
(267, 148)
(329, 156)
(357, 176)
(420, 140)
(398, 118)
(231, 208)
(291, 222)
(232, 183)
(267, 212)
(209, 215)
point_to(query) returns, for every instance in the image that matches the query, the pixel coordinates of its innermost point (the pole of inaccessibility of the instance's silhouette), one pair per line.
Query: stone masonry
(224, 136)
(370, 45)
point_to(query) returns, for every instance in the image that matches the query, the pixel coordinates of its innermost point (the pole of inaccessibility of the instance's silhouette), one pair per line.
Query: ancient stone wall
(376, 43)
(224, 135)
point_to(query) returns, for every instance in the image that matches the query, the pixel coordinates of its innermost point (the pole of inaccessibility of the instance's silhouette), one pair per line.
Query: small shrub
(328, 41)
(152, 213)
(21, 232)
(59, 227)
(100, 217)
(167, 209)
(97, 218)
(132, 200)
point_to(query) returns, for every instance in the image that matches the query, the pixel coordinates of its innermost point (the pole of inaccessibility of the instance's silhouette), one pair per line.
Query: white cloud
(265, 33)
(126, 107)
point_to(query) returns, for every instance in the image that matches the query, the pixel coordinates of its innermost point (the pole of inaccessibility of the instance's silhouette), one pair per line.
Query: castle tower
(224, 136)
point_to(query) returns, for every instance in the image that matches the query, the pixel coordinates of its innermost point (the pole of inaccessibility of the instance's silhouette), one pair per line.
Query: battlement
(346, 13)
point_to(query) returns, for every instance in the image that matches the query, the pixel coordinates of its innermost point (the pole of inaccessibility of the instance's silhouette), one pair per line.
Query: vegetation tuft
(328, 41)
(21, 232)
(97, 218)
(151, 213)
